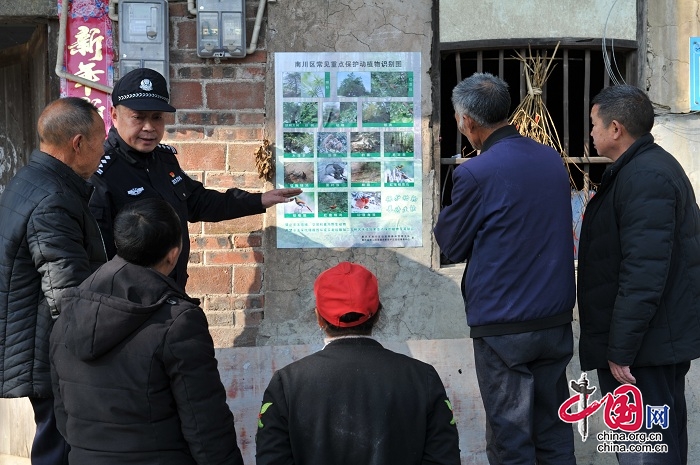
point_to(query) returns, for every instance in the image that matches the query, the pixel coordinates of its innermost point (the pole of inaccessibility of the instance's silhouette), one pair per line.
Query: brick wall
(218, 125)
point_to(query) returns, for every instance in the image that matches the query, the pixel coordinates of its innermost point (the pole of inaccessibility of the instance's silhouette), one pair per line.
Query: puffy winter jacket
(639, 264)
(135, 378)
(49, 241)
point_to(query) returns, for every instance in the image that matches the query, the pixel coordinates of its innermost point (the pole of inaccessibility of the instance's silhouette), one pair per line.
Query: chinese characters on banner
(88, 53)
(348, 134)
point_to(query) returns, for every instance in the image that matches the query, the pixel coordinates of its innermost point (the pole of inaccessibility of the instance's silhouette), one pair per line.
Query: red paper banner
(89, 53)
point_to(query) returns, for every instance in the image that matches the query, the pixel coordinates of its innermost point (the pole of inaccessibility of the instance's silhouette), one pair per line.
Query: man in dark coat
(639, 269)
(49, 241)
(355, 402)
(137, 166)
(133, 367)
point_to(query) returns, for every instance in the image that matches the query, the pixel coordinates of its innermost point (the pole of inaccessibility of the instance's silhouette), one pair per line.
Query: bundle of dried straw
(531, 118)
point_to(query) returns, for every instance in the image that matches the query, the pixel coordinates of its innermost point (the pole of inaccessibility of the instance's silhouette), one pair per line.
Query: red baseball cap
(346, 288)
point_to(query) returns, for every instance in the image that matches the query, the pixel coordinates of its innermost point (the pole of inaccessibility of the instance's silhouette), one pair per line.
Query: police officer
(137, 166)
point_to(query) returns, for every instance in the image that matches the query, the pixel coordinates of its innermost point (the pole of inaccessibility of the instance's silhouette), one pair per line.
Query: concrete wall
(419, 302)
(24, 91)
(462, 20)
(680, 135)
(666, 78)
(255, 294)
(670, 26)
(12, 134)
(246, 371)
(29, 9)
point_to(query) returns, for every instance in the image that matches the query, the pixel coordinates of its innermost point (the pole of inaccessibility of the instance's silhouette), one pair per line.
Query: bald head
(64, 118)
(72, 131)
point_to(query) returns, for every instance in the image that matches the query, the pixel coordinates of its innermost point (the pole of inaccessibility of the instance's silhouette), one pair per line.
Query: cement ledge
(13, 460)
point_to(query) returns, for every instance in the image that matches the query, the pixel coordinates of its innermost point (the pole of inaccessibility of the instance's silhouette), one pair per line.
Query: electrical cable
(606, 56)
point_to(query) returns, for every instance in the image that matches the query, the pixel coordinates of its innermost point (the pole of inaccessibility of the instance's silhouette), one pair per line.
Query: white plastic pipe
(191, 7)
(112, 11)
(256, 30)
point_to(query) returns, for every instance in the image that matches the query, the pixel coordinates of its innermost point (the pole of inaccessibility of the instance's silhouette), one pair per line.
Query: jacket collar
(630, 154)
(351, 341)
(499, 134)
(148, 284)
(114, 142)
(64, 171)
(111, 304)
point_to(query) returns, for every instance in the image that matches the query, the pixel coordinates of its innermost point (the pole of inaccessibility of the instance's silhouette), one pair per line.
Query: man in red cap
(355, 401)
(137, 166)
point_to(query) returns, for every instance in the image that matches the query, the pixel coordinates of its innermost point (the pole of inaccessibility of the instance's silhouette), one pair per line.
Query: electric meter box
(143, 36)
(220, 28)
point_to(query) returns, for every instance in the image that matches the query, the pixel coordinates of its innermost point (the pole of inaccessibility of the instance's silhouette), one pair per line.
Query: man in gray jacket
(49, 241)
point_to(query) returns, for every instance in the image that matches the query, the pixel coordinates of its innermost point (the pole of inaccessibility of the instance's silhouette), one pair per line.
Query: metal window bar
(574, 133)
(565, 100)
(574, 85)
(585, 160)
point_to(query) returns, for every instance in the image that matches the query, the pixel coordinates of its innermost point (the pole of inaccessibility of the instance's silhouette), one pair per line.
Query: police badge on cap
(142, 89)
(146, 85)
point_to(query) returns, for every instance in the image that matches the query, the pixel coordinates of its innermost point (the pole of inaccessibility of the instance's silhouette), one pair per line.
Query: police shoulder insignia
(263, 409)
(104, 162)
(167, 147)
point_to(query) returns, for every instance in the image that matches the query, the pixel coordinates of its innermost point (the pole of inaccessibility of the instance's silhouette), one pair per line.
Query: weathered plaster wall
(419, 302)
(462, 20)
(667, 72)
(669, 28)
(680, 135)
(27, 9)
(12, 155)
(24, 91)
(424, 313)
(246, 371)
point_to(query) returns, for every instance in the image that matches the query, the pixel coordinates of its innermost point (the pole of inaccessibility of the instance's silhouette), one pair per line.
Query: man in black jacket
(133, 367)
(639, 270)
(49, 241)
(355, 402)
(137, 166)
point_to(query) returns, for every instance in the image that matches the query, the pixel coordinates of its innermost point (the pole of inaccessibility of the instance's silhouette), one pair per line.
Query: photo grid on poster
(348, 134)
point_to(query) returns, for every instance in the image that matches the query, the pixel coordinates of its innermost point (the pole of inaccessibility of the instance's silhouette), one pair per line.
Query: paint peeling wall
(462, 20)
(424, 313)
(669, 26)
(246, 371)
(12, 142)
(419, 302)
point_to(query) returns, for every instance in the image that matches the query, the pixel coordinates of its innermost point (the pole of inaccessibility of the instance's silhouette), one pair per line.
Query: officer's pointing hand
(276, 196)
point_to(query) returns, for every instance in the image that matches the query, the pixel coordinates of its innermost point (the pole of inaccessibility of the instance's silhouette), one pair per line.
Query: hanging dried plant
(531, 118)
(263, 161)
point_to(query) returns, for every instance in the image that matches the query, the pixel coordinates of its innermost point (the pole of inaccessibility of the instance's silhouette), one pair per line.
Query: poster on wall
(348, 134)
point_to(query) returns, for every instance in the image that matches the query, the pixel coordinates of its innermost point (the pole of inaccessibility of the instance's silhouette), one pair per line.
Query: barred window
(580, 71)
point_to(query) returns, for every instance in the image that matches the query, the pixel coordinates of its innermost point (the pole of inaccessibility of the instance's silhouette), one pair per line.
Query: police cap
(142, 89)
